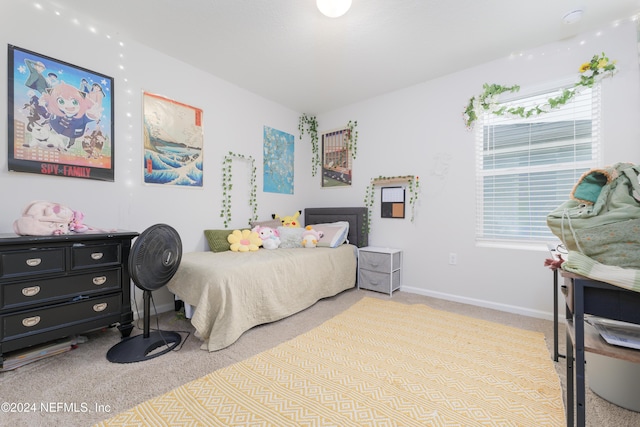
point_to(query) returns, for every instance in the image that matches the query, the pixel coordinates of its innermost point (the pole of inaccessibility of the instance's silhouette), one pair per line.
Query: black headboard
(356, 217)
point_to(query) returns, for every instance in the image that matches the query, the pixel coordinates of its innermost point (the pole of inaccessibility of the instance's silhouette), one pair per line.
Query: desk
(587, 296)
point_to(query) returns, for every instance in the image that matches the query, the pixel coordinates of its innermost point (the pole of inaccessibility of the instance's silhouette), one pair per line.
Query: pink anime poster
(60, 118)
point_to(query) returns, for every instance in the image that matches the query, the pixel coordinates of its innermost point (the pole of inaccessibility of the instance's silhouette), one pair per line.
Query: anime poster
(173, 142)
(278, 161)
(60, 118)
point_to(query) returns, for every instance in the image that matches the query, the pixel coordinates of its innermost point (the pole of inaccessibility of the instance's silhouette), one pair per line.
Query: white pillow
(334, 233)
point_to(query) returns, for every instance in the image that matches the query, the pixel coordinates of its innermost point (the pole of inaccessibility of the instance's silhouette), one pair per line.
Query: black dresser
(55, 286)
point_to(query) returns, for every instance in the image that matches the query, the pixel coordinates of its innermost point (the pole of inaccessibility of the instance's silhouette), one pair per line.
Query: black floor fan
(155, 257)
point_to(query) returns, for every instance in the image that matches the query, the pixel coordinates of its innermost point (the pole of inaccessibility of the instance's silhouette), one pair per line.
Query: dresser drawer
(376, 261)
(83, 256)
(30, 322)
(60, 288)
(31, 261)
(382, 282)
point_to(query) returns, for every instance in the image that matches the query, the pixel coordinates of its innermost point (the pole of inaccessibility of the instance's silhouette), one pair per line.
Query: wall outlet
(453, 258)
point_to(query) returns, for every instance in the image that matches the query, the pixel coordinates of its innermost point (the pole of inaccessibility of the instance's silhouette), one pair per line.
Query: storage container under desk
(379, 269)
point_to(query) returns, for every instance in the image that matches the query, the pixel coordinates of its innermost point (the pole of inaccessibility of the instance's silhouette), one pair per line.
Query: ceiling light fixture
(572, 16)
(333, 8)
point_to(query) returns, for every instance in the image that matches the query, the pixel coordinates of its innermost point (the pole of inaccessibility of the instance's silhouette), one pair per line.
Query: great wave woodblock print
(173, 142)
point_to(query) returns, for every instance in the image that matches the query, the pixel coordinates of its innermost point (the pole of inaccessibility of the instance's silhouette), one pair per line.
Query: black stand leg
(556, 354)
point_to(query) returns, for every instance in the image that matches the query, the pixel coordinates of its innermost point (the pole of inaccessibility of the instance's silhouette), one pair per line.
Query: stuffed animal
(270, 236)
(244, 241)
(42, 218)
(76, 224)
(310, 237)
(289, 221)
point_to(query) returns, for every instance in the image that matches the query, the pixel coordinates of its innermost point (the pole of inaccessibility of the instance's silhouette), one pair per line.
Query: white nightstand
(379, 269)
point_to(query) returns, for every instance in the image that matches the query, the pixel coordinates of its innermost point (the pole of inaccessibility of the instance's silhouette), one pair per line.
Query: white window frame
(487, 234)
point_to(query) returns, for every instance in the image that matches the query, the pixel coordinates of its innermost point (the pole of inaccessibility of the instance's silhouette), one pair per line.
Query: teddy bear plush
(310, 237)
(269, 236)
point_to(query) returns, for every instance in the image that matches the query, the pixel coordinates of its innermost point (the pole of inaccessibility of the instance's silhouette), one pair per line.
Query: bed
(232, 292)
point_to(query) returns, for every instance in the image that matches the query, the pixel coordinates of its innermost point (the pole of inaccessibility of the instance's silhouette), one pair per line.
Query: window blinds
(528, 167)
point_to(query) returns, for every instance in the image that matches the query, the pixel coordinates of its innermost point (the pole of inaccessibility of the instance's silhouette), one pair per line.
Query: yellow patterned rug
(379, 363)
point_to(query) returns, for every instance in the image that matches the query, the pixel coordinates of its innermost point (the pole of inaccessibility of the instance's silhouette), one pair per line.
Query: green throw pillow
(218, 240)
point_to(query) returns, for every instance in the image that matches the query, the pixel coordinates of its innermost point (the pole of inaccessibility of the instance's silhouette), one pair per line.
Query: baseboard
(441, 295)
(480, 303)
(139, 313)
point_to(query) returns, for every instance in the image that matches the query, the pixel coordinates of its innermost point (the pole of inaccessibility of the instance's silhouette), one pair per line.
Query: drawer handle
(97, 255)
(100, 306)
(31, 321)
(31, 291)
(34, 262)
(99, 280)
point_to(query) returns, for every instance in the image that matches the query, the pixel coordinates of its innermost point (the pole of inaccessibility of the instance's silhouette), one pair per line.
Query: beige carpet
(379, 363)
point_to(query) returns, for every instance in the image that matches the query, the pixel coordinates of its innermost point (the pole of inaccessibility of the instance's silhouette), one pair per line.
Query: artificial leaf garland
(351, 136)
(590, 73)
(413, 184)
(310, 123)
(227, 186)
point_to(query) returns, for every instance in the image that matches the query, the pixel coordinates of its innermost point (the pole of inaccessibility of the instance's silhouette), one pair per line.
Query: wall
(233, 121)
(417, 131)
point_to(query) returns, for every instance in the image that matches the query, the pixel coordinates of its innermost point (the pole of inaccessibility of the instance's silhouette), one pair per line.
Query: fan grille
(155, 257)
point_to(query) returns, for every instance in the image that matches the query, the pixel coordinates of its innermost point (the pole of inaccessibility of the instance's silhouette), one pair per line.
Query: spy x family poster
(60, 118)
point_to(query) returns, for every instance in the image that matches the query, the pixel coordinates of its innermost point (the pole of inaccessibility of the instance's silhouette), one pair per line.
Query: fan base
(139, 347)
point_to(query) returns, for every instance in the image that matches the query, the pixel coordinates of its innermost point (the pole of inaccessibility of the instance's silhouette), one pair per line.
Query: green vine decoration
(227, 186)
(590, 72)
(351, 138)
(310, 123)
(413, 186)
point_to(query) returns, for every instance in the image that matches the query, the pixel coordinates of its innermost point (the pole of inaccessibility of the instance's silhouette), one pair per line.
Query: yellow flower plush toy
(244, 240)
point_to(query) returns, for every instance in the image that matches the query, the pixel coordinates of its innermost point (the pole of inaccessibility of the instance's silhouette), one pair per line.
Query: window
(527, 167)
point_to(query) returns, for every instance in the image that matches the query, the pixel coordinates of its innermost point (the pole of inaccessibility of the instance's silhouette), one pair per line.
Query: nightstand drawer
(382, 262)
(32, 261)
(30, 322)
(60, 288)
(83, 256)
(381, 282)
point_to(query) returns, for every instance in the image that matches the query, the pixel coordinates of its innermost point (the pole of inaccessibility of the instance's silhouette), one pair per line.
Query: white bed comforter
(233, 292)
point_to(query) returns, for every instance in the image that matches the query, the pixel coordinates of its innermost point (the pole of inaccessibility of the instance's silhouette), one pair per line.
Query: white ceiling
(286, 51)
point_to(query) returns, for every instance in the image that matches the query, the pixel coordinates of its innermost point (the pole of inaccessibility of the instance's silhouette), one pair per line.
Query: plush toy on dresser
(310, 237)
(41, 218)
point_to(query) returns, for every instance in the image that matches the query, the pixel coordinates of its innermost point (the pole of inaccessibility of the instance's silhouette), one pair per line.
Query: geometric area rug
(379, 363)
